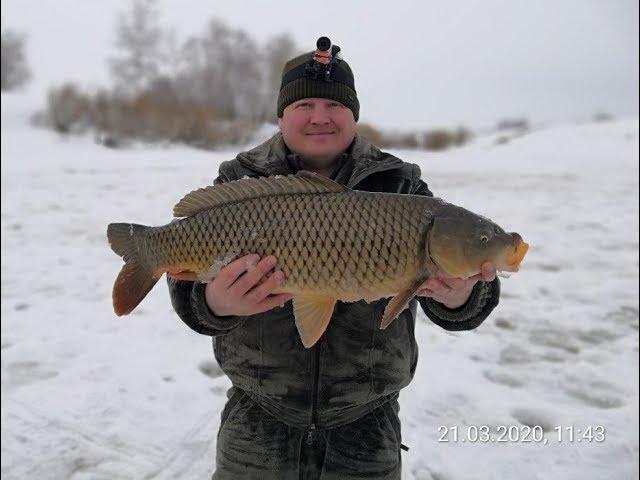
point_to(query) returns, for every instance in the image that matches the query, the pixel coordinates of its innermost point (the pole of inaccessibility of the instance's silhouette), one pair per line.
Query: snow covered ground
(87, 395)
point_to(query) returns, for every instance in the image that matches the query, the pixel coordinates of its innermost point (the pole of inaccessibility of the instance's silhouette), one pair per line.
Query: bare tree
(275, 54)
(139, 38)
(245, 75)
(222, 70)
(15, 71)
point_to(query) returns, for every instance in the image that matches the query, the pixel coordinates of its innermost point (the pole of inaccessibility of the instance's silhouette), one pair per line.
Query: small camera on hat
(319, 67)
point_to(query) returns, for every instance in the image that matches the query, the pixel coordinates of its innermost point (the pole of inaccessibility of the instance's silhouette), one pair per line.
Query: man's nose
(320, 115)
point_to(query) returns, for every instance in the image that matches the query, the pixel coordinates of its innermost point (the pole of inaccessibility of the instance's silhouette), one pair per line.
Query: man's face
(317, 129)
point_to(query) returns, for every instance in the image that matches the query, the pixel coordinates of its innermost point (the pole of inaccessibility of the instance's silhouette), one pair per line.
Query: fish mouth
(520, 249)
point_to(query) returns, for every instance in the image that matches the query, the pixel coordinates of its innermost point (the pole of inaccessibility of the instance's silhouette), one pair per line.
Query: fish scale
(327, 248)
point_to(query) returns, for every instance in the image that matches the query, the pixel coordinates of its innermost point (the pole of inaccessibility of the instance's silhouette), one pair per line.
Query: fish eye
(484, 238)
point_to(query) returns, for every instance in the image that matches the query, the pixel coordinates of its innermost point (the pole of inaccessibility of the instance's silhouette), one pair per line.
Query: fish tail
(136, 278)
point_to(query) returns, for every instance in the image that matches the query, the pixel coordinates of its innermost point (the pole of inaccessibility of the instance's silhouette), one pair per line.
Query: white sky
(417, 64)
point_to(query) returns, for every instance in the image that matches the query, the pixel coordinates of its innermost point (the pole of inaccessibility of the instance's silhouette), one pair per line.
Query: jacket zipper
(366, 173)
(314, 395)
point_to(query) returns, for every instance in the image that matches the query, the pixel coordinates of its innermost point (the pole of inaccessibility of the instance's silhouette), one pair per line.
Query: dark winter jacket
(355, 366)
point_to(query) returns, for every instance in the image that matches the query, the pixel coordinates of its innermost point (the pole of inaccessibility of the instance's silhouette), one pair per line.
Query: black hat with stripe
(319, 74)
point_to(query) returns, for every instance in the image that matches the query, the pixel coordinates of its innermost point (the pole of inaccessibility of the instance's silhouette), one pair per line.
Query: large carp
(332, 243)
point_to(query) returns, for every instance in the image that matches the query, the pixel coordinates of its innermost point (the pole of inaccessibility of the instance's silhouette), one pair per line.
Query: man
(330, 411)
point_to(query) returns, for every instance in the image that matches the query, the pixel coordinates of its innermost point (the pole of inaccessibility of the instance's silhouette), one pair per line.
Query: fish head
(460, 241)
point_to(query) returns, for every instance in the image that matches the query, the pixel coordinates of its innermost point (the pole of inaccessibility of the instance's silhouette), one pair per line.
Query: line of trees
(209, 90)
(223, 69)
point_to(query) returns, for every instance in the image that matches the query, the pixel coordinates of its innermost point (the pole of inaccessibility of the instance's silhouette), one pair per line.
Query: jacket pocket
(232, 406)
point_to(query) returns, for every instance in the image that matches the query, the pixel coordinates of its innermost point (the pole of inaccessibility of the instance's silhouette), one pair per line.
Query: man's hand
(244, 287)
(454, 292)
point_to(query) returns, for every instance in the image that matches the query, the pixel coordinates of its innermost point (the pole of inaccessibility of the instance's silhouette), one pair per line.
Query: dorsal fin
(247, 188)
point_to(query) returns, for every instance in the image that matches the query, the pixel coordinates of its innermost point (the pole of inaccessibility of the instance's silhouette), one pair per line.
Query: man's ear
(280, 124)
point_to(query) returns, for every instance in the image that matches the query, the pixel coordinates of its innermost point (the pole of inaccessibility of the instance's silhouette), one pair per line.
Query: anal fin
(312, 313)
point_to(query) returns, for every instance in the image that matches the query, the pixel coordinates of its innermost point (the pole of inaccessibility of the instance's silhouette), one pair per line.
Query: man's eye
(335, 105)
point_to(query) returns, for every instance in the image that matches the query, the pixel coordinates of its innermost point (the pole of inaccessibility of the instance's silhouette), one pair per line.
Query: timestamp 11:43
(590, 433)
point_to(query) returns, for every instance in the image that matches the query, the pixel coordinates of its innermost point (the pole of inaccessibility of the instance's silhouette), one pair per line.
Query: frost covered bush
(438, 139)
(521, 124)
(441, 139)
(602, 117)
(374, 135)
(148, 117)
(67, 109)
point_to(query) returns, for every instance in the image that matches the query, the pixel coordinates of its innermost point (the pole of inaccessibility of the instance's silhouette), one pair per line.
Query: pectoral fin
(313, 313)
(398, 303)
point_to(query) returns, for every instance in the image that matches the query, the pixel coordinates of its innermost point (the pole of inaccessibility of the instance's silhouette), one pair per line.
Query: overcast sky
(417, 64)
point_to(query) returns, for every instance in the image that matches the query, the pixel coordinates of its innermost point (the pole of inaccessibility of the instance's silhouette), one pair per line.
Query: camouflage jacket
(355, 366)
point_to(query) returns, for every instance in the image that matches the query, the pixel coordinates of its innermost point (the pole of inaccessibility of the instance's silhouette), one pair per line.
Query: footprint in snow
(210, 369)
(625, 315)
(502, 378)
(534, 417)
(598, 394)
(554, 338)
(513, 354)
(22, 373)
(596, 336)
(504, 324)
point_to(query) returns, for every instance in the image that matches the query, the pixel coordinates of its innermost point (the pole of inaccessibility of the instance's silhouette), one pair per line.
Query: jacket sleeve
(189, 303)
(484, 296)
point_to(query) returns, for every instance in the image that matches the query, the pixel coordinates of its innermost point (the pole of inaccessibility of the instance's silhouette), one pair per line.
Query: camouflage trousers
(254, 445)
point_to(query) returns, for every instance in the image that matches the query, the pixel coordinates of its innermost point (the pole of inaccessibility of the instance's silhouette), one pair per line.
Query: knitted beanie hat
(318, 74)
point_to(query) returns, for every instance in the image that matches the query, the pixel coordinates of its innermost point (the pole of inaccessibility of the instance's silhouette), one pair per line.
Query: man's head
(318, 107)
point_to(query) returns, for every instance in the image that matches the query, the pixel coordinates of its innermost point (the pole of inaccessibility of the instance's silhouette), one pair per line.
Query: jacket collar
(273, 158)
